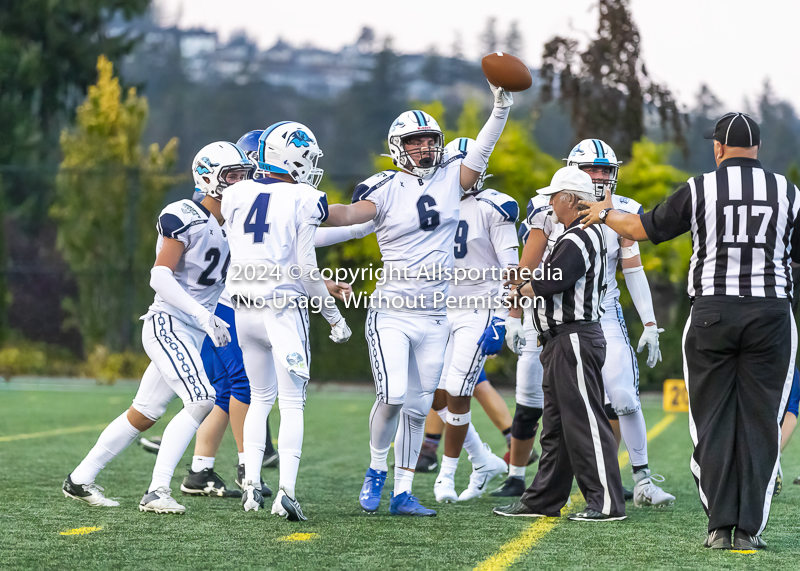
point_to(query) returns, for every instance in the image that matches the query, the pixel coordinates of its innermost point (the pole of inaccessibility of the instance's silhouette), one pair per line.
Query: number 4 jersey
(201, 270)
(415, 226)
(269, 225)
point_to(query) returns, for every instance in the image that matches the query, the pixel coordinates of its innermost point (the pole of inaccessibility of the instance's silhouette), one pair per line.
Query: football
(506, 71)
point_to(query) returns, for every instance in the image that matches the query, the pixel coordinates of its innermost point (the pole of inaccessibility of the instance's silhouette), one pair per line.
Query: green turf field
(46, 428)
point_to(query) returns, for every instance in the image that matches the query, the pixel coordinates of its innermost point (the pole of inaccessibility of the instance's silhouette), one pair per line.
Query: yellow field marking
(744, 551)
(81, 531)
(298, 537)
(523, 543)
(56, 432)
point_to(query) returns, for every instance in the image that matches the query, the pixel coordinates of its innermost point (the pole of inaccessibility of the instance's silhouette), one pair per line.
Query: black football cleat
(719, 538)
(152, 445)
(271, 460)
(511, 488)
(627, 494)
(517, 509)
(743, 540)
(207, 482)
(265, 491)
(592, 515)
(428, 460)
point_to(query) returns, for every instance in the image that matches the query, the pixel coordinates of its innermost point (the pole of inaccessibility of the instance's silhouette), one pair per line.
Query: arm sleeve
(477, 158)
(310, 278)
(639, 288)
(329, 236)
(165, 285)
(671, 218)
(567, 257)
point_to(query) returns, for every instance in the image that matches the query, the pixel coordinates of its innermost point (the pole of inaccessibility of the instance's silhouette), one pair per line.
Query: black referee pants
(576, 436)
(739, 355)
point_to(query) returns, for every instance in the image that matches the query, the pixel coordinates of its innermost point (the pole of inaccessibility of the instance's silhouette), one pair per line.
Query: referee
(576, 435)
(740, 340)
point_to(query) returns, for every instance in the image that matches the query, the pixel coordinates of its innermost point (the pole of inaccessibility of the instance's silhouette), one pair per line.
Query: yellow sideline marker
(744, 551)
(298, 537)
(81, 531)
(56, 432)
(520, 545)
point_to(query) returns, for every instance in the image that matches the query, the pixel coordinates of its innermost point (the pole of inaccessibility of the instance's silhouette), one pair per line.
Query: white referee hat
(569, 178)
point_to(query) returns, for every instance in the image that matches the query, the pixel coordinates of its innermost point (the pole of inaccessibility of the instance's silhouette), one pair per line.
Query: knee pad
(624, 401)
(153, 411)
(523, 427)
(455, 419)
(610, 412)
(199, 409)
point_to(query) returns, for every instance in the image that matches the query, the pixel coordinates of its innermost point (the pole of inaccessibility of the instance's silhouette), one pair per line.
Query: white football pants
(463, 360)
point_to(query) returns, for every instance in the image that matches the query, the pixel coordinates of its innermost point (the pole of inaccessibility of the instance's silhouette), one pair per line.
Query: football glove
(340, 332)
(492, 339)
(217, 330)
(502, 98)
(650, 338)
(515, 335)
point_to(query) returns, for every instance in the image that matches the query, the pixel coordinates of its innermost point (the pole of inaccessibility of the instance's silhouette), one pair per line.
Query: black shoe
(797, 480)
(743, 540)
(292, 507)
(517, 509)
(627, 494)
(592, 515)
(152, 445)
(511, 488)
(265, 491)
(428, 461)
(207, 482)
(719, 538)
(271, 460)
(252, 500)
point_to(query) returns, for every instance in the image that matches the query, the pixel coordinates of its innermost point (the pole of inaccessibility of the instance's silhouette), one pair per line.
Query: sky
(731, 45)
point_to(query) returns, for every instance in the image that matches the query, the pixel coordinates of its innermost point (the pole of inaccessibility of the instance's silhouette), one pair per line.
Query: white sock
(449, 466)
(378, 459)
(473, 444)
(200, 463)
(177, 436)
(255, 438)
(402, 481)
(516, 471)
(634, 432)
(241, 457)
(290, 445)
(116, 437)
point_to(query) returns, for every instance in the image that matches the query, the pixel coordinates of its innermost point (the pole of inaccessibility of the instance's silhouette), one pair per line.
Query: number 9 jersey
(201, 270)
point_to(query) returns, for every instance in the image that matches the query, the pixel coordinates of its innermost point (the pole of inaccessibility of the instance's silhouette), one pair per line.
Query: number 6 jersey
(201, 270)
(415, 226)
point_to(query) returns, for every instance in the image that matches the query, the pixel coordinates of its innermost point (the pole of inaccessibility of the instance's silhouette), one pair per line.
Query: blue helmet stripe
(421, 118)
(262, 143)
(599, 146)
(462, 144)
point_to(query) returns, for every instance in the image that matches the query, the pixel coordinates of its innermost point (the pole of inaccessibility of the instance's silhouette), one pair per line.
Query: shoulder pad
(371, 184)
(502, 203)
(523, 231)
(537, 205)
(626, 204)
(178, 217)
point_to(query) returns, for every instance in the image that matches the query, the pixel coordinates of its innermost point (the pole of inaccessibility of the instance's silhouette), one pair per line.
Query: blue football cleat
(370, 497)
(406, 504)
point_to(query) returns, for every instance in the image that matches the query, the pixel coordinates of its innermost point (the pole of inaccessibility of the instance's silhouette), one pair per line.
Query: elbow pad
(628, 253)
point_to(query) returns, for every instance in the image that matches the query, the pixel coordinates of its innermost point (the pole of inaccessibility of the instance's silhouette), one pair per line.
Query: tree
(489, 37)
(457, 49)
(514, 43)
(108, 194)
(366, 40)
(781, 127)
(606, 87)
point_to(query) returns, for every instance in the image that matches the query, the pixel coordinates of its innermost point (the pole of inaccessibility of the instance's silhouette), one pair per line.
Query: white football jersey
(201, 270)
(622, 204)
(263, 221)
(486, 226)
(415, 225)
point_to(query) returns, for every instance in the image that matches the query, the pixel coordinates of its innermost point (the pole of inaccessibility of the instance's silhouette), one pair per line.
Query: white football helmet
(407, 125)
(462, 145)
(594, 152)
(214, 163)
(290, 148)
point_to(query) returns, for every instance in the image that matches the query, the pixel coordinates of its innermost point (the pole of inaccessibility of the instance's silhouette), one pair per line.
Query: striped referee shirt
(742, 220)
(580, 255)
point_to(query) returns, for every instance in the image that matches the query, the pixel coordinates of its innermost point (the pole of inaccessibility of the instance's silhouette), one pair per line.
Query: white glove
(515, 335)
(340, 332)
(502, 98)
(217, 330)
(650, 338)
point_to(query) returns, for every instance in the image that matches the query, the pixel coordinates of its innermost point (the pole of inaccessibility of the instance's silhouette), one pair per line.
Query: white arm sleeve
(164, 283)
(330, 236)
(477, 158)
(310, 278)
(639, 289)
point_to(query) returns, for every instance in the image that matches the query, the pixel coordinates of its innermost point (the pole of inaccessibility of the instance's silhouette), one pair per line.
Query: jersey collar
(203, 208)
(740, 162)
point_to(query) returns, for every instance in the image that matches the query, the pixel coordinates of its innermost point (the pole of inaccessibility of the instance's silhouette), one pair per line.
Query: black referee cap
(735, 130)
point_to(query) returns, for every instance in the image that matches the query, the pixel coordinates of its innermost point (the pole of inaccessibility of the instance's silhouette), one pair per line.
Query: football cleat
(743, 540)
(627, 494)
(445, 489)
(511, 488)
(482, 474)
(719, 538)
(271, 461)
(406, 504)
(207, 482)
(593, 515)
(152, 445)
(252, 500)
(517, 509)
(160, 501)
(265, 491)
(428, 461)
(646, 493)
(778, 482)
(92, 494)
(370, 497)
(288, 507)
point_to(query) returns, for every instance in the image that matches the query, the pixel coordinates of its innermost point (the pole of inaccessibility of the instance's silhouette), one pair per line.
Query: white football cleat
(92, 494)
(445, 489)
(288, 507)
(646, 493)
(277, 506)
(252, 498)
(160, 501)
(483, 471)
